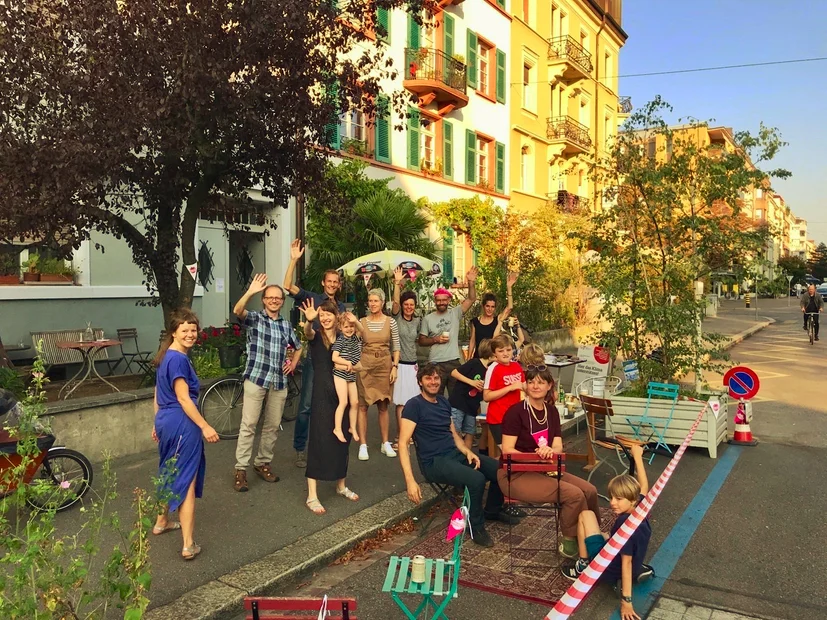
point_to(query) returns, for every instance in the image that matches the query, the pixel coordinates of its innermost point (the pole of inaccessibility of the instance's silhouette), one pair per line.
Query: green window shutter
(499, 180)
(448, 35)
(470, 157)
(447, 150)
(331, 129)
(413, 138)
(383, 25)
(413, 33)
(500, 76)
(382, 130)
(448, 254)
(472, 59)
(501, 4)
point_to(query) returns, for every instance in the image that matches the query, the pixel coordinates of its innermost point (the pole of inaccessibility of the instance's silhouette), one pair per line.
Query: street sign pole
(789, 285)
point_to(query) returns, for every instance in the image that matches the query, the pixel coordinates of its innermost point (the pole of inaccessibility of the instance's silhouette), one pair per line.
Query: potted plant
(56, 270)
(229, 341)
(9, 269)
(31, 272)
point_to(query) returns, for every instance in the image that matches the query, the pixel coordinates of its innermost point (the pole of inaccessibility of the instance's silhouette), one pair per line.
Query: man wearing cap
(440, 329)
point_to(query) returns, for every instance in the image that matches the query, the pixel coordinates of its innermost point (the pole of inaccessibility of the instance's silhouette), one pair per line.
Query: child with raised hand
(627, 566)
(347, 351)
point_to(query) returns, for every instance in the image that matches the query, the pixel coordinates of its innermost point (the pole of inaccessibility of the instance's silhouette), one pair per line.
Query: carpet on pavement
(535, 575)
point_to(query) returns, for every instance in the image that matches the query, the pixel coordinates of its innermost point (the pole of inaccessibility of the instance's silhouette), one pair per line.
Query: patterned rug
(535, 575)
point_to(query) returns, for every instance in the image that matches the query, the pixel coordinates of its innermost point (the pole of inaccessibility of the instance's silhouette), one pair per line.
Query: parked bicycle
(811, 326)
(221, 401)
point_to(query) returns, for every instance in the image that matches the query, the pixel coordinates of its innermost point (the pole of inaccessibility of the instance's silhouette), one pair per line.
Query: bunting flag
(367, 277)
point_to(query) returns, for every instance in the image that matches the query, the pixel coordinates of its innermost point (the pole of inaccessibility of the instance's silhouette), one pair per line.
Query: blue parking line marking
(671, 550)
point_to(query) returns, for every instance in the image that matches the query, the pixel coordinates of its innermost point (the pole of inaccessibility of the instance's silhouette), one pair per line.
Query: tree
(136, 118)
(796, 267)
(677, 216)
(818, 262)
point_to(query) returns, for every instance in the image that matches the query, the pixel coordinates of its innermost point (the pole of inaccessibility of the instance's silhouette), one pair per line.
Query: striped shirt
(350, 349)
(267, 342)
(376, 326)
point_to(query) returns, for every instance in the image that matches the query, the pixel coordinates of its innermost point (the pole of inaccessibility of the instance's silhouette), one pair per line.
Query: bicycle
(221, 402)
(811, 325)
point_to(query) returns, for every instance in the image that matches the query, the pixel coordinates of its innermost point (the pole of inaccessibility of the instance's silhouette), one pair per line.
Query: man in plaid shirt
(268, 337)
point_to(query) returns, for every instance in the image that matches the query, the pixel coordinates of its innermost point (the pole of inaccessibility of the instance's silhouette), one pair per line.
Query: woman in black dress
(327, 457)
(483, 326)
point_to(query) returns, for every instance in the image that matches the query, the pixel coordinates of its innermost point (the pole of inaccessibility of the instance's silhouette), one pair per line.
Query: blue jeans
(303, 417)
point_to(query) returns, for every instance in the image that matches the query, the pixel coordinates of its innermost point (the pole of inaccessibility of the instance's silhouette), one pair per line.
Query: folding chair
(140, 358)
(261, 606)
(659, 391)
(517, 462)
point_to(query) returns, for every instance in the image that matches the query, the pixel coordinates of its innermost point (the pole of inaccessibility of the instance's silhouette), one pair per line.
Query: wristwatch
(626, 599)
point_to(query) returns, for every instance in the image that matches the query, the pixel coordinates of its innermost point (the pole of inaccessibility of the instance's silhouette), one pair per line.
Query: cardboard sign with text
(596, 364)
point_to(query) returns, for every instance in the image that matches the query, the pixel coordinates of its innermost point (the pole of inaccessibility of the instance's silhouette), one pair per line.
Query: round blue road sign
(742, 382)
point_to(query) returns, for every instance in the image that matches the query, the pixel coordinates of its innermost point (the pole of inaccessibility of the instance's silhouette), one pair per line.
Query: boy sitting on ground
(627, 566)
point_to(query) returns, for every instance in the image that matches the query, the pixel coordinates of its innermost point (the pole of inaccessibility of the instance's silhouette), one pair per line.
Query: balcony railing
(566, 48)
(423, 63)
(624, 105)
(568, 129)
(570, 203)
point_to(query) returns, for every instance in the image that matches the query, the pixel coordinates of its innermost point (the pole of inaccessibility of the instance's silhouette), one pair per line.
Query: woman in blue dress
(180, 429)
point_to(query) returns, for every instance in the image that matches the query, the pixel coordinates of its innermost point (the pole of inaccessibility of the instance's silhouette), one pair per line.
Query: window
(759, 194)
(484, 162)
(484, 67)
(759, 214)
(608, 130)
(352, 126)
(460, 249)
(529, 84)
(584, 40)
(482, 159)
(650, 148)
(428, 142)
(526, 170)
(527, 13)
(669, 146)
(607, 70)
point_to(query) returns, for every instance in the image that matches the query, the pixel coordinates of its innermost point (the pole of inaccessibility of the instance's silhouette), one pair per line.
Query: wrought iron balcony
(577, 59)
(570, 203)
(435, 76)
(574, 135)
(624, 105)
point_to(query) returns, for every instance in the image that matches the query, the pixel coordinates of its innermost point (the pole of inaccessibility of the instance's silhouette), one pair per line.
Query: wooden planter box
(711, 431)
(13, 280)
(31, 277)
(56, 277)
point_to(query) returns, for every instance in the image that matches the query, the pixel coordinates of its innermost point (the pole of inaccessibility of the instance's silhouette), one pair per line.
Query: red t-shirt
(498, 377)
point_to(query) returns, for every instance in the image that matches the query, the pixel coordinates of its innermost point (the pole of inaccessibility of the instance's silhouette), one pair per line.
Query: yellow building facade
(564, 102)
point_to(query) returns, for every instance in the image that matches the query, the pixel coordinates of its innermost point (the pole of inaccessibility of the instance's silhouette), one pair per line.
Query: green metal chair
(660, 391)
(441, 579)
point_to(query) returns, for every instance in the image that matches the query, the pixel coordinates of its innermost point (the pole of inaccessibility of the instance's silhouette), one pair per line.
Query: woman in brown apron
(378, 368)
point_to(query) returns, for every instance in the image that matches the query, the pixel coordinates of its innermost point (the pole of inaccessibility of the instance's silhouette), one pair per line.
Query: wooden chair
(265, 608)
(441, 579)
(667, 391)
(517, 462)
(602, 437)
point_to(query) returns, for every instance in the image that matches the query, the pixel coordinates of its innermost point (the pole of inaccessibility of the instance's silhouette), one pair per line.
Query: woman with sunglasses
(532, 426)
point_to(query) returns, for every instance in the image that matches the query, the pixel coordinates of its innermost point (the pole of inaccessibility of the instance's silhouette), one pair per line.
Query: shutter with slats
(448, 255)
(382, 130)
(499, 178)
(501, 76)
(383, 25)
(413, 33)
(501, 4)
(331, 129)
(470, 157)
(447, 150)
(472, 59)
(413, 138)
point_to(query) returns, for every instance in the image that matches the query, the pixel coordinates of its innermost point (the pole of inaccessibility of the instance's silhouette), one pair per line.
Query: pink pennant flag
(456, 525)
(367, 277)
(412, 274)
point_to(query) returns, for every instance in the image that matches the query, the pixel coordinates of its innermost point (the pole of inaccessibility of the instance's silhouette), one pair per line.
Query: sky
(666, 35)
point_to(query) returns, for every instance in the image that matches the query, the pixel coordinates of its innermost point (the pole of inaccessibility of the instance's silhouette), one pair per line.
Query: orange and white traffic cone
(743, 434)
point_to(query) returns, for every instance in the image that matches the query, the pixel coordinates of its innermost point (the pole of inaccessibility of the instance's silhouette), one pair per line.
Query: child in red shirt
(504, 384)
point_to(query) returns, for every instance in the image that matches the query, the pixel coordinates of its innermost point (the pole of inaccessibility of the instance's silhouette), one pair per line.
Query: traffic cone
(743, 434)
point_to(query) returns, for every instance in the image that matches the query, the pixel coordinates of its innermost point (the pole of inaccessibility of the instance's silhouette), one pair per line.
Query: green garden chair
(441, 580)
(660, 391)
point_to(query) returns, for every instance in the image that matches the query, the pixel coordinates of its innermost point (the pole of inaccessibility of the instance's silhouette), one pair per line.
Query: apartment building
(564, 102)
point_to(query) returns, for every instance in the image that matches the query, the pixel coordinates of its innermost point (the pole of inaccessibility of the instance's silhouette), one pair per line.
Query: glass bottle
(89, 334)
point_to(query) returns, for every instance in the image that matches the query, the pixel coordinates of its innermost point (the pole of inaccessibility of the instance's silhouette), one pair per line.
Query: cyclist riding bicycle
(811, 304)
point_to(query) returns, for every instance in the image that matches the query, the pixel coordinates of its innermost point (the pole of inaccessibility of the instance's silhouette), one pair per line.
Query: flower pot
(230, 356)
(31, 277)
(9, 280)
(56, 277)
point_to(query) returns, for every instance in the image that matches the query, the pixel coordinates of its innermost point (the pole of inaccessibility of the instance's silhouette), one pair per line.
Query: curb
(741, 336)
(223, 598)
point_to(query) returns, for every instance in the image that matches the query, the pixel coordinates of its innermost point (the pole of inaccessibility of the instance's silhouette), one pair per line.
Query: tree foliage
(818, 262)
(676, 216)
(794, 266)
(135, 118)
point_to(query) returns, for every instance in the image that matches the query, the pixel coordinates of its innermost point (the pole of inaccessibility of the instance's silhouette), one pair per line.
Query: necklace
(533, 411)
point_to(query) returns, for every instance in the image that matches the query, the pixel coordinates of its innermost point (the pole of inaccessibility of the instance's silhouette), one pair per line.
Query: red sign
(742, 382)
(601, 355)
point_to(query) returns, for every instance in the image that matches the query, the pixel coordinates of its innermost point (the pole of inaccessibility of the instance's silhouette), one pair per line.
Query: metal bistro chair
(517, 462)
(136, 356)
(658, 392)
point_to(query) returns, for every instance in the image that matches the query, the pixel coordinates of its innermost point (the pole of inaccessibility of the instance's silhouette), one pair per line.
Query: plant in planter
(356, 147)
(9, 269)
(54, 270)
(31, 272)
(229, 341)
(432, 169)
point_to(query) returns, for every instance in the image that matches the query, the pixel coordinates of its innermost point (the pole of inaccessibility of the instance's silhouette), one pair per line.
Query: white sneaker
(363, 452)
(387, 449)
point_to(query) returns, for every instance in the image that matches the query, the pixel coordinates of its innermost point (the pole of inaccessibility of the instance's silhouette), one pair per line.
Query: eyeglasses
(539, 368)
(273, 298)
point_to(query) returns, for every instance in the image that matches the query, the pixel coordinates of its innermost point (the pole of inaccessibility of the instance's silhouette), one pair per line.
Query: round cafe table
(87, 350)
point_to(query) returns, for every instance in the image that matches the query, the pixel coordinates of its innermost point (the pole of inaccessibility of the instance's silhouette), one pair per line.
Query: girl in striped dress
(347, 351)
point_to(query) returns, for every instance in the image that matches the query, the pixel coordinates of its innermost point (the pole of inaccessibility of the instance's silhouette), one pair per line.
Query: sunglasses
(539, 368)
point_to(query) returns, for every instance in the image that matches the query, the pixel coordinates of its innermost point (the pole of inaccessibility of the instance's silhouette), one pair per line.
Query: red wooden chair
(517, 463)
(276, 608)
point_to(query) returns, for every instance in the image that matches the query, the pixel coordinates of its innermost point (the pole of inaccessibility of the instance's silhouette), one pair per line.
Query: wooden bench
(54, 356)
(265, 608)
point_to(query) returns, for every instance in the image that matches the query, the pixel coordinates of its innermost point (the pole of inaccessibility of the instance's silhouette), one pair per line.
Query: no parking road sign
(742, 382)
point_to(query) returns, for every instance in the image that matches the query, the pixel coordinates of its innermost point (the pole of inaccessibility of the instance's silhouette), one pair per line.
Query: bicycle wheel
(221, 403)
(812, 331)
(63, 479)
(291, 405)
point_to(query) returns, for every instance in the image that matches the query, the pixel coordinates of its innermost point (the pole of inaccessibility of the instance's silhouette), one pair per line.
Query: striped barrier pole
(580, 588)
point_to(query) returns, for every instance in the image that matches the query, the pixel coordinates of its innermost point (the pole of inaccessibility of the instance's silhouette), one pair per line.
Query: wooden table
(87, 350)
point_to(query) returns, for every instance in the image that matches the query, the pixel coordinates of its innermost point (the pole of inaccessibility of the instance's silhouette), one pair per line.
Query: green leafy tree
(794, 266)
(135, 118)
(673, 217)
(818, 262)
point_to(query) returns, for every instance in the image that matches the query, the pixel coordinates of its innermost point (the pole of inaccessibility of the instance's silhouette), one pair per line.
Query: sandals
(189, 553)
(347, 494)
(171, 526)
(315, 506)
